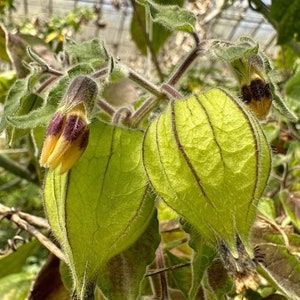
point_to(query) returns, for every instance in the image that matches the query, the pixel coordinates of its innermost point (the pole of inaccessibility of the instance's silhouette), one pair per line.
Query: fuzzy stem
(147, 85)
(163, 276)
(177, 74)
(137, 117)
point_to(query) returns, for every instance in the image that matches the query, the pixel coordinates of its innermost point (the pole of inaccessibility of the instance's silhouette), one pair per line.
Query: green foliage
(287, 19)
(159, 32)
(163, 196)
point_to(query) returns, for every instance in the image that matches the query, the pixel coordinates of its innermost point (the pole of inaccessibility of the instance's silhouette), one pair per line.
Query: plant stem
(143, 111)
(45, 84)
(177, 74)
(106, 107)
(170, 90)
(163, 276)
(147, 85)
(12, 167)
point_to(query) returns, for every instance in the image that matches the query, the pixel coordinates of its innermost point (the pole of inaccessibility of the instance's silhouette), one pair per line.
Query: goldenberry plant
(165, 198)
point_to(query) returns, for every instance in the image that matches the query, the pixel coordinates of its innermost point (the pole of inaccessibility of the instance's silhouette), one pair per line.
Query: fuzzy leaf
(171, 16)
(159, 32)
(291, 204)
(16, 286)
(16, 260)
(278, 257)
(92, 52)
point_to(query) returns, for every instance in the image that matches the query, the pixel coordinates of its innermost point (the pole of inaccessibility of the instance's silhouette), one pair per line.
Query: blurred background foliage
(275, 28)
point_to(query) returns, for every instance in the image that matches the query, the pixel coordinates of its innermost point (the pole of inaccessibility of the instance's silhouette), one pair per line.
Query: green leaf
(287, 19)
(17, 259)
(30, 105)
(171, 16)
(180, 276)
(203, 255)
(106, 191)
(290, 202)
(16, 51)
(7, 79)
(278, 257)
(122, 276)
(16, 286)
(12, 103)
(229, 51)
(208, 159)
(92, 51)
(159, 32)
(267, 208)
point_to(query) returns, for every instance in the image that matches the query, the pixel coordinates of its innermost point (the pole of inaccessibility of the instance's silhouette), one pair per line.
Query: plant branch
(143, 111)
(147, 85)
(45, 84)
(171, 268)
(163, 276)
(177, 74)
(106, 107)
(16, 169)
(22, 221)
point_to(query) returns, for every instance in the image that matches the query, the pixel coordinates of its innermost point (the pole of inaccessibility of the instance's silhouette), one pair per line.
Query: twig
(106, 107)
(16, 217)
(275, 226)
(147, 85)
(143, 111)
(171, 268)
(163, 276)
(45, 84)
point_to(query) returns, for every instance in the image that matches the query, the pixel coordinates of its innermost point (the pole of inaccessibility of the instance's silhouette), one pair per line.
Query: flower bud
(66, 139)
(68, 131)
(255, 90)
(257, 96)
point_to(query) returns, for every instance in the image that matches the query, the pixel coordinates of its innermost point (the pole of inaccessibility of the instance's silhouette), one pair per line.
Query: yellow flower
(257, 95)
(68, 131)
(255, 89)
(66, 139)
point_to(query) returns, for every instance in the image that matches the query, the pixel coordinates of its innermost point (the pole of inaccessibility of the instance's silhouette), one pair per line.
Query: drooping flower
(68, 131)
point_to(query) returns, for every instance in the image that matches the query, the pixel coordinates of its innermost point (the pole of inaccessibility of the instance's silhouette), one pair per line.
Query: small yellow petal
(74, 153)
(55, 158)
(54, 130)
(48, 147)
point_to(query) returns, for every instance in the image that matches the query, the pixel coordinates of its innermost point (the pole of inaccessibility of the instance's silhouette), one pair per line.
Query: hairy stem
(137, 117)
(177, 74)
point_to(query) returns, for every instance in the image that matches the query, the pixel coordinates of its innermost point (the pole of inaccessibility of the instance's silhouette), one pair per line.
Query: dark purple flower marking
(84, 140)
(73, 128)
(55, 124)
(257, 88)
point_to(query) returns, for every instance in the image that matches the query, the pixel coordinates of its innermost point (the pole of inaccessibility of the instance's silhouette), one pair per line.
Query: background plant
(275, 233)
